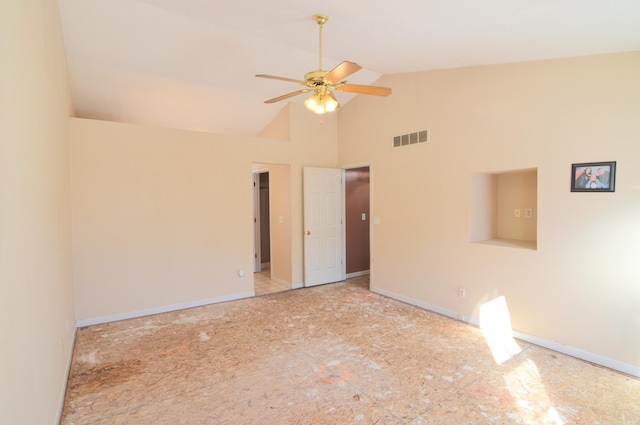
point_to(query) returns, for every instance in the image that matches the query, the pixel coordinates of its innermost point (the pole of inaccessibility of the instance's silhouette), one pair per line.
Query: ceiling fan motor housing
(315, 77)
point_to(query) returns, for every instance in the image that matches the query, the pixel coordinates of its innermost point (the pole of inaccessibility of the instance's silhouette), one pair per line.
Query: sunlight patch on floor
(495, 323)
(531, 399)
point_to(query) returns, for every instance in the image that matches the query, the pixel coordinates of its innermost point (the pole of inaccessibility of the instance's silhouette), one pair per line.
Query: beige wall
(581, 286)
(36, 299)
(162, 218)
(279, 127)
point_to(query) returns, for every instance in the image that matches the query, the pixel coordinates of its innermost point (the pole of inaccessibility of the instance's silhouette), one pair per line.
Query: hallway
(263, 284)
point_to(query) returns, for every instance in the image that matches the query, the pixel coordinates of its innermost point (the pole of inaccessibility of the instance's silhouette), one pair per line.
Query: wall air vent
(421, 136)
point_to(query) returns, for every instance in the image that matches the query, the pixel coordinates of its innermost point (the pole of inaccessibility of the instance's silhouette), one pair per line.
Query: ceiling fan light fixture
(320, 104)
(331, 104)
(312, 102)
(322, 82)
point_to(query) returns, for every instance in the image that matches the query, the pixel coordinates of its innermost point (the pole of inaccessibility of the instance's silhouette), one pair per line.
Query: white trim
(280, 281)
(431, 307)
(607, 362)
(358, 274)
(163, 309)
(297, 285)
(357, 165)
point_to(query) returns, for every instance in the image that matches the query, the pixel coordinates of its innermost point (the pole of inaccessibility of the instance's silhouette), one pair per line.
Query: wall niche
(504, 208)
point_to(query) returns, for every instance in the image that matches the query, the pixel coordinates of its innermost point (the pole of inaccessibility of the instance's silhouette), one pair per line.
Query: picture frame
(593, 177)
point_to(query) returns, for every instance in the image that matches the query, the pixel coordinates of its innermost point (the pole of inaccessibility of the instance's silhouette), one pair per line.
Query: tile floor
(331, 354)
(263, 284)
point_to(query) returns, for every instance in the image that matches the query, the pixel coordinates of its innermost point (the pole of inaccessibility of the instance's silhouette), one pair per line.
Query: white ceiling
(191, 63)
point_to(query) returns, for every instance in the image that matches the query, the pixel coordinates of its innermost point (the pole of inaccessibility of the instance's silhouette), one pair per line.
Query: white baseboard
(426, 306)
(358, 274)
(163, 309)
(280, 281)
(297, 285)
(607, 362)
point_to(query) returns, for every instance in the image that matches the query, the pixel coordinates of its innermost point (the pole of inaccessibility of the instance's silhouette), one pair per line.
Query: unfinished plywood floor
(334, 354)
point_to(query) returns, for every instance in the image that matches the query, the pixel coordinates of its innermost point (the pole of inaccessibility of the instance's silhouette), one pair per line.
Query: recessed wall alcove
(504, 208)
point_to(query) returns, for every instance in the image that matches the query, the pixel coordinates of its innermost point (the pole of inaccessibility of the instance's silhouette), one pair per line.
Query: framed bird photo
(593, 177)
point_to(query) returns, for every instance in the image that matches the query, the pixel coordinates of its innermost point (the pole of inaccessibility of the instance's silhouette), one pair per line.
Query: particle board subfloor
(332, 354)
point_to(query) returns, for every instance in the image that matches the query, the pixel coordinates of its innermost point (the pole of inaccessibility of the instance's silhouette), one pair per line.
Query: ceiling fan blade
(342, 71)
(286, 96)
(273, 77)
(357, 88)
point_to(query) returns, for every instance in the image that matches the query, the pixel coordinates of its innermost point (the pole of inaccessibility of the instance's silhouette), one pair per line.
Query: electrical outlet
(528, 213)
(462, 292)
(516, 213)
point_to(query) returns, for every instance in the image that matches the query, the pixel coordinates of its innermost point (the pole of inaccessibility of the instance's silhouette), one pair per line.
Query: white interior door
(323, 229)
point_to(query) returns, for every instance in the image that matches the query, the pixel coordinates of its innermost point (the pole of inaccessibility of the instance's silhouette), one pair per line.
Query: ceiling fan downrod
(321, 20)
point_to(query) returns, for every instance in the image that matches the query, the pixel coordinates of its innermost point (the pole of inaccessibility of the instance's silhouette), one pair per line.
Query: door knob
(307, 233)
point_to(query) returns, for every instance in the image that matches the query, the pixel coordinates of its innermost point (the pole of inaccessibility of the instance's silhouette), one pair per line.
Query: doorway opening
(272, 228)
(262, 232)
(357, 222)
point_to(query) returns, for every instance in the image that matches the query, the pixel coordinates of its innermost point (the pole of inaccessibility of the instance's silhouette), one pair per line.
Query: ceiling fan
(321, 82)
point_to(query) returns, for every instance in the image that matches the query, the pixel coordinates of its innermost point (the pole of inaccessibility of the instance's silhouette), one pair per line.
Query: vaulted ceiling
(191, 63)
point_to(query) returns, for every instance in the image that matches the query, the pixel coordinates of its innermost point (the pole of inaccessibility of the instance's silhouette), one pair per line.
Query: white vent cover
(421, 136)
